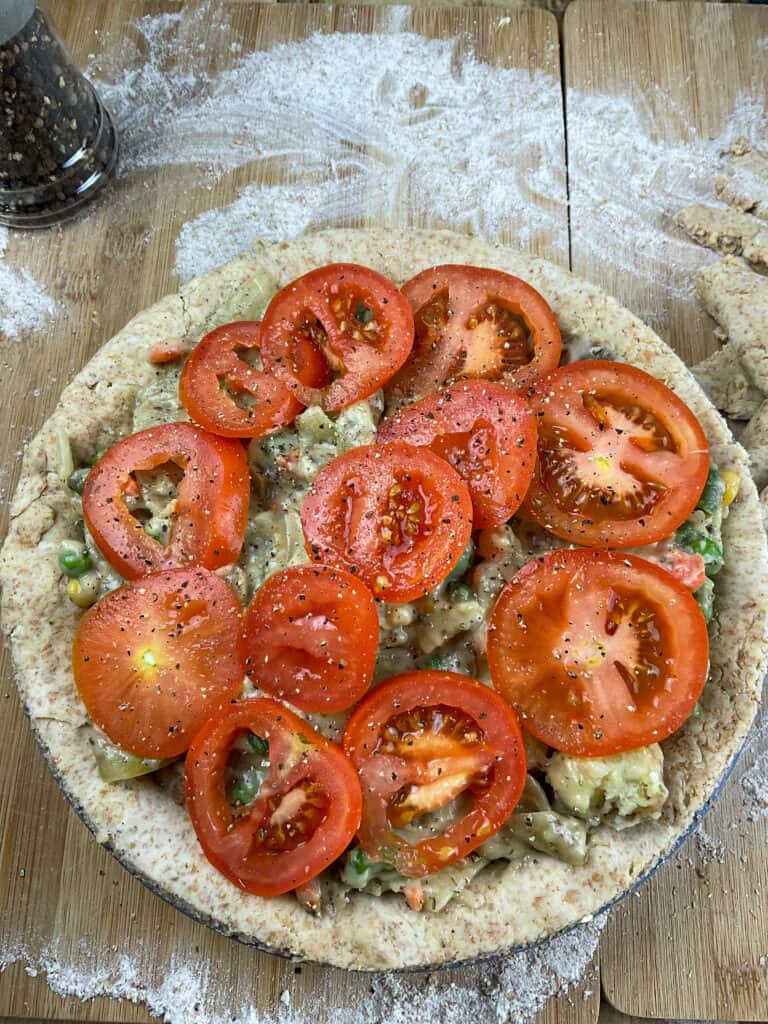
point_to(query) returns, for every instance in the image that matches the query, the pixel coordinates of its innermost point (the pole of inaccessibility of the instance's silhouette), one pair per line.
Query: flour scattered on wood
(626, 184)
(512, 989)
(395, 126)
(25, 305)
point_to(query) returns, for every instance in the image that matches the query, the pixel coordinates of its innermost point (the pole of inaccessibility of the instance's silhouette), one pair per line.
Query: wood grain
(690, 945)
(57, 886)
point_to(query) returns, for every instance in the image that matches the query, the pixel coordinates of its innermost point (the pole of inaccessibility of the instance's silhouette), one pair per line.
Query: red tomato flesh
(420, 741)
(622, 460)
(598, 651)
(475, 322)
(311, 637)
(353, 319)
(395, 516)
(210, 510)
(217, 372)
(304, 814)
(485, 432)
(153, 659)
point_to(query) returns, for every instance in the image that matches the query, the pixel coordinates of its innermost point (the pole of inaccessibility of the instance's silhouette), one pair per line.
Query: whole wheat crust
(506, 905)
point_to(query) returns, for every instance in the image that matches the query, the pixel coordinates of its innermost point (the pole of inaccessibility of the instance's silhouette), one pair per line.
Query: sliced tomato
(622, 460)
(311, 637)
(300, 818)
(352, 318)
(486, 433)
(168, 351)
(210, 510)
(422, 741)
(396, 516)
(217, 374)
(153, 659)
(474, 322)
(599, 651)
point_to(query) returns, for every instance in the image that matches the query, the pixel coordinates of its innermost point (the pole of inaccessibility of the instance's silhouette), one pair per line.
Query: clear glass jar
(58, 145)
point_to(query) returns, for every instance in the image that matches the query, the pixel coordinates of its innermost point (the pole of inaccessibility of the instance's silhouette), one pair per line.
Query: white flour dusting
(25, 305)
(506, 991)
(396, 126)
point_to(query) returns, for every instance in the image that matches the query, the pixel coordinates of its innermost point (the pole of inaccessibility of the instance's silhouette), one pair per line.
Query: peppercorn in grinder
(58, 144)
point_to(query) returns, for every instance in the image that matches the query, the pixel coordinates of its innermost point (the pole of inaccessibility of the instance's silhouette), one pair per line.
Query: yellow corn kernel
(84, 591)
(732, 483)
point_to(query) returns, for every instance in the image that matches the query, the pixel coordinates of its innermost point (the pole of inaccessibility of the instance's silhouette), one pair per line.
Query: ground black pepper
(58, 144)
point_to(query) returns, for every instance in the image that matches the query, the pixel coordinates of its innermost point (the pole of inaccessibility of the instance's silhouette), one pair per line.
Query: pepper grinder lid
(14, 14)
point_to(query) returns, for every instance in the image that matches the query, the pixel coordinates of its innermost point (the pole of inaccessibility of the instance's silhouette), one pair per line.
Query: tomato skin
(486, 433)
(297, 755)
(395, 516)
(211, 508)
(319, 310)
(630, 651)
(311, 637)
(215, 358)
(497, 749)
(154, 658)
(626, 479)
(458, 339)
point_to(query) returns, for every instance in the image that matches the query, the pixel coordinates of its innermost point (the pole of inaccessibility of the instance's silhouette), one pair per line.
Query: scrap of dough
(723, 378)
(727, 231)
(745, 183)
(737, 298)
(755, 440)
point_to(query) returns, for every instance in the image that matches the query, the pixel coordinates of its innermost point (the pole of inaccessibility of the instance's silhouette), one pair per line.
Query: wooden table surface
(657, 958)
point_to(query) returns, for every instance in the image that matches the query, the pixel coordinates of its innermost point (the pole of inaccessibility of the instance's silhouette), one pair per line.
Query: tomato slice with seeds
(422, 741)
(397, 517)
(154, 658)
(486, 433)
(474, 322)
(622, 460)
(350, 317)
(599, 651)
(231, 396)
(209, 511)
(311, 637)
(302, 808)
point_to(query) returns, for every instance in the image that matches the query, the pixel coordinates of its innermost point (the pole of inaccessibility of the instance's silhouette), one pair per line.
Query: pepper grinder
(58, 144)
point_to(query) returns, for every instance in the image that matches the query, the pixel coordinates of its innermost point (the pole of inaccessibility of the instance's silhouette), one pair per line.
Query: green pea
(76, 479)
(712, 496)
(246, 787)
(363, 314)
(258, 745)
(359, 861)
(74, 563)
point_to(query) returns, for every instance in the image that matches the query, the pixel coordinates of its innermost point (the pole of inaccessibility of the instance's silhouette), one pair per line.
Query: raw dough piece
(737, 298)
(755, 440)
(745, 184)
(727, 231)
(723, 378)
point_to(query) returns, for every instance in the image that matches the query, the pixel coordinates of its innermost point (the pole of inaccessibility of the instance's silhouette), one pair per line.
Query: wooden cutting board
(694, 942)
(56, 884)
